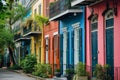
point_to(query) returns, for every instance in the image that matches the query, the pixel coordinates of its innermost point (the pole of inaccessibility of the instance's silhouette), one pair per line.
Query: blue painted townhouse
(71, 31)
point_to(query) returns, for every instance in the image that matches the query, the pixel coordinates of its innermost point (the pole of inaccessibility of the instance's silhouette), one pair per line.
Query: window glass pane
(39, 9)
(94, 26)
(109, 22)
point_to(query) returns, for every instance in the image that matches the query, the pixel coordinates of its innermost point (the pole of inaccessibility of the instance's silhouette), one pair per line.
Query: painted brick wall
(50, 29)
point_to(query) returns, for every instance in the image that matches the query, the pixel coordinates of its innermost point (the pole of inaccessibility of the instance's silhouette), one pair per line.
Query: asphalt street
(10, 75)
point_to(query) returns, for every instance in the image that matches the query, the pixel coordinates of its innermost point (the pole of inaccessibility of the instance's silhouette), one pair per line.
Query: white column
(64, 51)
(76, 27)
(76, 47)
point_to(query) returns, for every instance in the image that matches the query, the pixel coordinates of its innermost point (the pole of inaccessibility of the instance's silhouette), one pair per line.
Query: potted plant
(80, 71)
(101, 72)
(69, 73)
(57, 73)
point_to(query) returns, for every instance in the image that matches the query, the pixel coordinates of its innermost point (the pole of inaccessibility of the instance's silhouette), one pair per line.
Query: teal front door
(94, 50)
(110, 41)
(109, 50)
(94, 42)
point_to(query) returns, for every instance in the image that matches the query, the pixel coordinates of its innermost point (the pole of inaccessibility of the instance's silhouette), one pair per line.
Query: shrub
(1, 60)
(42, 70)
(101, 72)
(15, 67)
(57, 70)
(69, 71)
(27, 64)
(80, 69)
(1, 56)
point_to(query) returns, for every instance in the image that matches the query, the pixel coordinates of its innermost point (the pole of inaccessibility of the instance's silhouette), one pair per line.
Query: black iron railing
(30, 29)
(59, 7)
(17, 36)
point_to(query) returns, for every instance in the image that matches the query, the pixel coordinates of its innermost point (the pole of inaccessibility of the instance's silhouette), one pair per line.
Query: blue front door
(94, 42)
(110, 50)
(94, 50)
(110, 42)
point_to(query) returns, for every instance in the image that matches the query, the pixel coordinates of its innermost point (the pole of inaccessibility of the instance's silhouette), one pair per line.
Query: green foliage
(52, 3)
(6, 37)
(4, 13)
(57, 70)
(41, 20)
(11, 12)
(42, 70)
(101, 72)
(27, 64)
(80, 69)
(18, 12)
(1, 57)
(15, 67)
(69, 71)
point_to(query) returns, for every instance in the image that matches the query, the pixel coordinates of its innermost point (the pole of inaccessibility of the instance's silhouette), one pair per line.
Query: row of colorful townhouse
(102, 34)
(78, 30)
(30, 38)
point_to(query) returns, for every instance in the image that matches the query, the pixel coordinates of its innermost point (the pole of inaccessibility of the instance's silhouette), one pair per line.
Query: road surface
(9, 75)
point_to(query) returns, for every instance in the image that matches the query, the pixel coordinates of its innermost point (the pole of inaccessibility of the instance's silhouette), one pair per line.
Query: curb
(36, 77)
(29, 75)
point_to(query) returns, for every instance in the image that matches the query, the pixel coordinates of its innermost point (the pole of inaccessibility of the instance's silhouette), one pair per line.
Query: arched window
(109, 40)
(109, 19)
(94, 23)
(94, 41)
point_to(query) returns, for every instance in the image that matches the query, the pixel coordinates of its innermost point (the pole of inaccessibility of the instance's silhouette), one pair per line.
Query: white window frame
(76, 28)
(46, 51)
(109, 17)
(64, 49)
(94, 20)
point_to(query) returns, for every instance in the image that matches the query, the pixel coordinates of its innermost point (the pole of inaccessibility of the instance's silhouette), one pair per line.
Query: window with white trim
(76, 46)
(39, 7)
(76, 28)
(109, 19)
(47, 48)
(94, 23)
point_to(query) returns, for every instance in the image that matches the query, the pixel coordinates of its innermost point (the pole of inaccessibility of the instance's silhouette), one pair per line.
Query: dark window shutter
(53, 43)
(44, 50)
(48, 49)
(72, 42)
(53, 48)
(67, 56)
(58, 46)
(80, 44)
(61, 52)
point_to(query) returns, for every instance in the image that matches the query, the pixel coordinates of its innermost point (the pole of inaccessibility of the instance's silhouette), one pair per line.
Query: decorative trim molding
(46, 36)
(64, 29)
(76, 25)
(55, 33)
(106, 11)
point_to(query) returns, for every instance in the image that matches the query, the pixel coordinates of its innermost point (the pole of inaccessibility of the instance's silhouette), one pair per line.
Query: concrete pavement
(9, 75)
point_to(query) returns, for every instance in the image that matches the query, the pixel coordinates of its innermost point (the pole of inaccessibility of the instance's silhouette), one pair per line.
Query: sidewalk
(39, 78)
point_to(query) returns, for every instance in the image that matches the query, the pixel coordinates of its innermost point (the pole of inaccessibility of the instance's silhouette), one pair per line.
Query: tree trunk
(11, 55)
